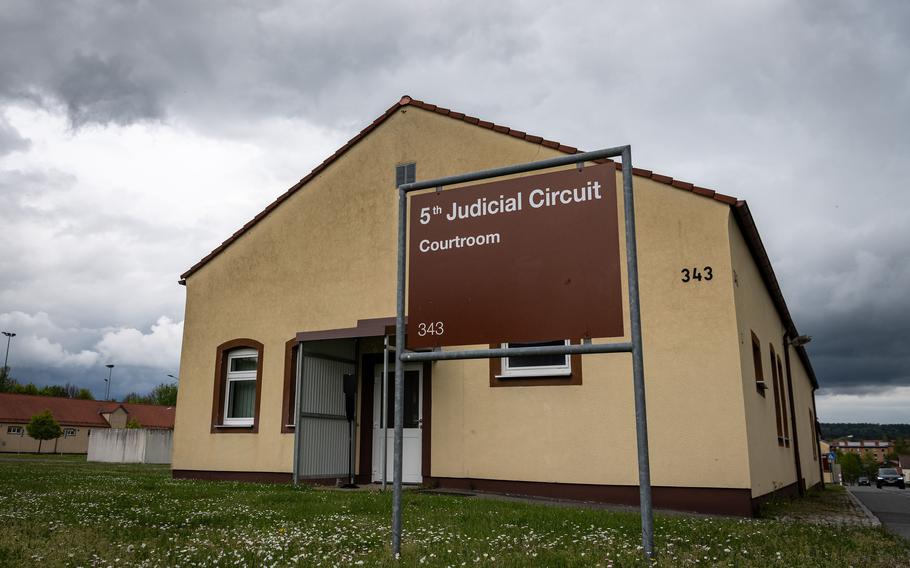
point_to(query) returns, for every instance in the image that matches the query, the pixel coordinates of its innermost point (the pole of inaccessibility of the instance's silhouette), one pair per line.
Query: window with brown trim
(238, 386)
(784, 402)
(289, 392)
(546, 370)
(777, 398)
(814, 436)
(760, 384)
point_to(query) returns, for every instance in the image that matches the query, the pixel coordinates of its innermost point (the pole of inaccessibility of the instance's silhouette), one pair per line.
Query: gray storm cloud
(799, 108)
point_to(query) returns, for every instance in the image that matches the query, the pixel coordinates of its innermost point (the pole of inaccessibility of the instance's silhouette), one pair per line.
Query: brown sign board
(526, 259)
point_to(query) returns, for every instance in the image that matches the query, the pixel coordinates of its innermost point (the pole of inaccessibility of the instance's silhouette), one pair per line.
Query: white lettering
(548, 198)
(427, 245)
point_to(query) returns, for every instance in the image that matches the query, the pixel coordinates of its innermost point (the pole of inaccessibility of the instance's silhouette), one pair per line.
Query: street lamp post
(176, 378)
(9, 335)
(110, 368)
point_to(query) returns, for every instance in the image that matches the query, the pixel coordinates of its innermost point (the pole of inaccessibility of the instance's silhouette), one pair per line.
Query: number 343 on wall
(690, 274)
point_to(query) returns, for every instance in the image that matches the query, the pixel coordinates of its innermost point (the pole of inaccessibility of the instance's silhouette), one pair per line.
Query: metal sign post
(634, 347)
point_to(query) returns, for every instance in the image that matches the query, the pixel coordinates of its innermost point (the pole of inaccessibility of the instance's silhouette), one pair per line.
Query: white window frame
(70, 432)
(238, 376)
(15, 430)
(538, 371)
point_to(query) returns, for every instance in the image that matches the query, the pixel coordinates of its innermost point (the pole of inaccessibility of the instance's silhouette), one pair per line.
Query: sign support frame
(634, 346)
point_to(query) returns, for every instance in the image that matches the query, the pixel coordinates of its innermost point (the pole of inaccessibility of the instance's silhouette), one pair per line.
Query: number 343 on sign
(430, 328)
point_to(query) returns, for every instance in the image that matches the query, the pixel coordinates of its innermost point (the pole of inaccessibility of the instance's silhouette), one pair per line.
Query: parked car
(864, 481)
(889, 476)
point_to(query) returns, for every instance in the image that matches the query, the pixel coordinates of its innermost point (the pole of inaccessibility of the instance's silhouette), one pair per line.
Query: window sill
(234, 428)
(555, 374)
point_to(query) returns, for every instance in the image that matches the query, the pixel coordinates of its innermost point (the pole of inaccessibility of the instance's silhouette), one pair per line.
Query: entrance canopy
(326, 360)
(374, 327)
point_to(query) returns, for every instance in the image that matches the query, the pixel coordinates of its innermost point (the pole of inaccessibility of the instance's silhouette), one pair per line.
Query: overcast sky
(136, 136)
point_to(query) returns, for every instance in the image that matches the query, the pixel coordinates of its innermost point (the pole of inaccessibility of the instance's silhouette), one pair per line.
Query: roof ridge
(407, 100)
(740, 208)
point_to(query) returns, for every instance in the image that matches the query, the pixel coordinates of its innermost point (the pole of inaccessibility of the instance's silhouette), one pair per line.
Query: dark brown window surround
(778, 394)
(760, 384)
(814, 439)
(289, 392)
(218, 394)
(541, 381)
(784, 402)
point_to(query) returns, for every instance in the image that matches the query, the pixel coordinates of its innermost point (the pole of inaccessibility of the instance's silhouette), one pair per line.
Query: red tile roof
(740, 208)
(19, 409)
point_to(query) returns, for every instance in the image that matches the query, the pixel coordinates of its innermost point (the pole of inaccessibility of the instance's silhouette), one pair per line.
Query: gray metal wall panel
(324, 448)
(322, 388)
(324, 443)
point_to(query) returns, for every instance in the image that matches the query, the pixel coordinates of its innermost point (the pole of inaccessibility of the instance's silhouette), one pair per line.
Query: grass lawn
(64, 512)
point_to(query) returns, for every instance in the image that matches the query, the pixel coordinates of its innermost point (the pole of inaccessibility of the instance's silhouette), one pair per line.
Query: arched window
(238, 385)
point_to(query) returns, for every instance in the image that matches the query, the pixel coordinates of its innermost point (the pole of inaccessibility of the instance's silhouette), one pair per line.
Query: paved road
(890, 504)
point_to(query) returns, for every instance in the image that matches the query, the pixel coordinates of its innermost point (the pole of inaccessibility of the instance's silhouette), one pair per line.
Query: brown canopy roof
(19, 408)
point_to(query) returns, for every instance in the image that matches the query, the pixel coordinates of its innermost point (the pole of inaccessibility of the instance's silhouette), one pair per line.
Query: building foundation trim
(248, 476)
(711, 500)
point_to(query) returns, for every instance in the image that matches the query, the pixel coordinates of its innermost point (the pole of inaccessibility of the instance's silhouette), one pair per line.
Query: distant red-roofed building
(76, 417)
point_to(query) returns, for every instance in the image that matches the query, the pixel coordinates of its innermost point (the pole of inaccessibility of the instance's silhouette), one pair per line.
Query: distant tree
(7, 382)
(850, 466)
(865, 431)
(71, 390)
(136, 398)
(42, 427)
(53, 390)
(165, 394)
(132, 423)
(84, 394)
(869, 464)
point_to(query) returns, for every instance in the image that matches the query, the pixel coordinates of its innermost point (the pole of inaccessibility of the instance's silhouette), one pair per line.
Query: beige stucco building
(731, 411)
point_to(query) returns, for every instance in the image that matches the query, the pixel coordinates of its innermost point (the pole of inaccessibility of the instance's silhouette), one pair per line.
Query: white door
(413, 422)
